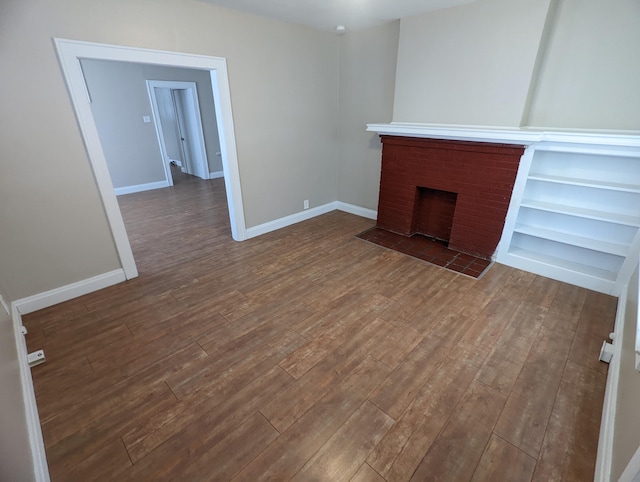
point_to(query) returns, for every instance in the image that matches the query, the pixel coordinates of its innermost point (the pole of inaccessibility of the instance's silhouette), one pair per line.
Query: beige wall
(119, 99)
(367, 77)
(469, 65)
(590, 74)
(283, 81)
(627, 425)
(15, 452)
(568, 64)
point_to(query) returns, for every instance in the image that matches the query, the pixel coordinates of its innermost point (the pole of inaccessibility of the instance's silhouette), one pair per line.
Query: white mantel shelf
(520, 136)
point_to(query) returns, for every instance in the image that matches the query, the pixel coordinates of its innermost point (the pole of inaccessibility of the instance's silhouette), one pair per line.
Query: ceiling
(327, 14)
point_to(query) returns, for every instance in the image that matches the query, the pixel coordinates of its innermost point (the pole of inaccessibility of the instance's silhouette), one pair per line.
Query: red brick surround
(481, 174)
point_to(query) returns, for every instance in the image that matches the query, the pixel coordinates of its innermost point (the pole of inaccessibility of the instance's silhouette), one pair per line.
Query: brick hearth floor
(428, 249)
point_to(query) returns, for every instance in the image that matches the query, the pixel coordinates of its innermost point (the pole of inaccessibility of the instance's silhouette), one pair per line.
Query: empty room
(320, 241)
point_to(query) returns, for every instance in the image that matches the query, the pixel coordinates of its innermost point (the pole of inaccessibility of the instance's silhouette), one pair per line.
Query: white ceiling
(327, 14)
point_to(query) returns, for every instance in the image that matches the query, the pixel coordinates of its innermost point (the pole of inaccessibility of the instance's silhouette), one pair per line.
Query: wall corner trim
(357, 210)
(290, 220)
(70, 291)
(308, 214)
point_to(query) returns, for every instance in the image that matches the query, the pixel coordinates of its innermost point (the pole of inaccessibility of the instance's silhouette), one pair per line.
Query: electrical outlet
(306, 204)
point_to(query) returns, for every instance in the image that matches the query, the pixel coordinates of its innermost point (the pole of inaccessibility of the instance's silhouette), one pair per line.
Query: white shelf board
(582, 212)
(612, 186)
(573, 240)
(564, 264)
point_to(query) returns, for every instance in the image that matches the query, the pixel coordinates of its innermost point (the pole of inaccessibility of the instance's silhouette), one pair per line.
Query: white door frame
(191, 87)
(71, 51)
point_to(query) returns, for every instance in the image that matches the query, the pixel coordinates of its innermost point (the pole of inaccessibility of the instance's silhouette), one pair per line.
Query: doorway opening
(176, 112)
(71, 52)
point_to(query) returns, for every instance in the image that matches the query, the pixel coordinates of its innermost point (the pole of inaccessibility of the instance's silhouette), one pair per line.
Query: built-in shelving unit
(575, 214)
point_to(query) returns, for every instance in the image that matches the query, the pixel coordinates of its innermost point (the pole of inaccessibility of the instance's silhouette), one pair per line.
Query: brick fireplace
(456, 191)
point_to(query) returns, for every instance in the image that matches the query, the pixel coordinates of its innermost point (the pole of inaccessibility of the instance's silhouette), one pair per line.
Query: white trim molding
(216, 175)
(308, 214)
(290, 220)
(357, 210)
(34, 430)
(505, 135)
(69, 54)
(140, 187)
(68, 292)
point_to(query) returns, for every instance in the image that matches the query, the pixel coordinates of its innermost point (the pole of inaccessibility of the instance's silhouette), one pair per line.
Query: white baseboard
(289, 220)
(216, 175)
(65, 293)
(308, 214)
(34, 430)
(140, 187)
(357, 210)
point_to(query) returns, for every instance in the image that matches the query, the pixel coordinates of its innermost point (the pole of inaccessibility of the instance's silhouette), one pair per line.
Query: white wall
(590, 74)
(15, 452)
(119, 100)
(469, 65)
(367, 78)
(283, 81)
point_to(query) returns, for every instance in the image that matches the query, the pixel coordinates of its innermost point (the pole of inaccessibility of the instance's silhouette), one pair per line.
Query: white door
(189, 126)
(179, 126)
(168, 125)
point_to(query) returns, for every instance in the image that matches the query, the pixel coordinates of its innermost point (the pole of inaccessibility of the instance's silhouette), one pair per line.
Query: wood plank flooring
(308, 354)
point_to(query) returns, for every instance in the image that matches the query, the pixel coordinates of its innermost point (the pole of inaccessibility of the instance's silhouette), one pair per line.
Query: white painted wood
(506, 135)
(140, 187)
(68, 292)
(461, 133)
(229, 154)
(514, 203)
(160, 133)
(193, 123)
(190, 122)
(38, 453)
(216, 175)
(357, 210)
(634, 188)
(571, 239)
(558, 269)
(582, 212)
(290, 220)
(70, 52)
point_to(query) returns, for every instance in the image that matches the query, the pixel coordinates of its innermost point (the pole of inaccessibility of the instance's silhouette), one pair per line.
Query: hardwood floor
(309, 354)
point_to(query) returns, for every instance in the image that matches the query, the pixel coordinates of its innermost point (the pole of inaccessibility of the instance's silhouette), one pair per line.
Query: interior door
(188, 125)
